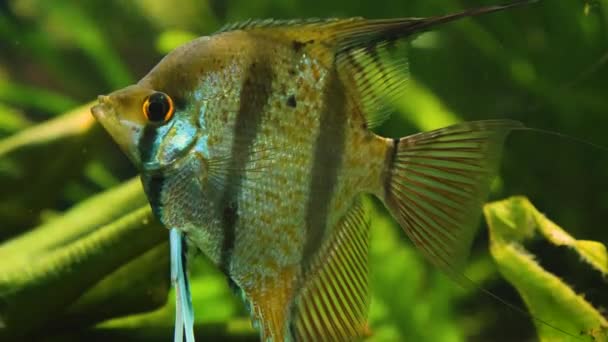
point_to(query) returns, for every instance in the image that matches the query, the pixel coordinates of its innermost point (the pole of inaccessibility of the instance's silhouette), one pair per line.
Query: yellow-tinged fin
(437, 182)
(333, 301)
(369, 53)
(270, 303)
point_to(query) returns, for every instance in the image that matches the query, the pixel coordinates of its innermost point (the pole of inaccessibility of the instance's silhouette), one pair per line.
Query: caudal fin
(437, 182)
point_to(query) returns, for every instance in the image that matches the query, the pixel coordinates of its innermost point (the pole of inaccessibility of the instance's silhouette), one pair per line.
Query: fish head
(147, 126)
(159, 120)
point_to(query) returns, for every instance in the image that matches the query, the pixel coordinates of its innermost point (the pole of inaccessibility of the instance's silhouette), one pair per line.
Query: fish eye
(158, 108)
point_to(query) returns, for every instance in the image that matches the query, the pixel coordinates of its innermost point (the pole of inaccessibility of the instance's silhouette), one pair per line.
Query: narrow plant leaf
(73, 123)
(25, 96)
(514, 221)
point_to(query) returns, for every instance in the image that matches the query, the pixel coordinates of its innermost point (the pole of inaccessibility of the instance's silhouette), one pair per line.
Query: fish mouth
(101, 109)
(104, 112)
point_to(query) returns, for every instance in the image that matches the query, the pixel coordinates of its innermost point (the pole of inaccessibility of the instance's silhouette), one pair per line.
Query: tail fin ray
(437, 183)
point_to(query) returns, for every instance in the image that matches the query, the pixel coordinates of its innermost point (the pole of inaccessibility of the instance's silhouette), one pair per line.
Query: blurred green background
(545, 64)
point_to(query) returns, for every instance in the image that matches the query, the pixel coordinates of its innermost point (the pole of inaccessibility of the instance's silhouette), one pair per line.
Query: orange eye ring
(158, 108)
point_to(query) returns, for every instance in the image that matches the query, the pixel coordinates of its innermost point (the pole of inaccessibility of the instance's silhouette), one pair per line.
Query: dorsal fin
(369, 53)
(333, 301)
(343, 34)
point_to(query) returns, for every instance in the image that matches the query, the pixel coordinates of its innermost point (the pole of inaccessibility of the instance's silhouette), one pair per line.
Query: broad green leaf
(36, 163)
(514, 221)
(139, 285)
(77, 258)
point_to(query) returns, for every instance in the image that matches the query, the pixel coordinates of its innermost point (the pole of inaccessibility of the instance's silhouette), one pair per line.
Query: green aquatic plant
(514, 221)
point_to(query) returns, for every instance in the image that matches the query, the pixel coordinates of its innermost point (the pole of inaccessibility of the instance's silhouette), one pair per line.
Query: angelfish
(255, 146)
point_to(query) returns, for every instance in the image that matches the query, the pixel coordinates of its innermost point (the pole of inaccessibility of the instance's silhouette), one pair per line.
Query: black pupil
(158, 107)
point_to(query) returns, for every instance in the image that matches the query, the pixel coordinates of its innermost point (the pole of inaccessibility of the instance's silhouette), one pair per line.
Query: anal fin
(270, 302)
(333, 301)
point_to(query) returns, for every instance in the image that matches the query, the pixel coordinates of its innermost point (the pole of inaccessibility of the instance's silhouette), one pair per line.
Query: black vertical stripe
(146, 144)
(255, 92)
(390, 161)
(153, 185)
(327, 162)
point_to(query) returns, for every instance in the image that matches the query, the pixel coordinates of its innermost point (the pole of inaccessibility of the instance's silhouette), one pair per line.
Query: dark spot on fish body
(291, 101)
(298, 45)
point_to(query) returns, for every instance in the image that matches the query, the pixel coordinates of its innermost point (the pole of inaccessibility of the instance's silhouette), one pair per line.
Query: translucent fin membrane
(438, 182)
(332, 305)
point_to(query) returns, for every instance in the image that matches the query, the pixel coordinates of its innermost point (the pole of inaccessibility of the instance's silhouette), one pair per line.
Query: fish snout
(102, 107)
